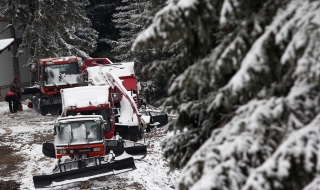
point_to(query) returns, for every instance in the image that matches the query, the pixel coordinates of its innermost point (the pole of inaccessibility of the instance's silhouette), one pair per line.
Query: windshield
(62, 74)
(79, 132)
(103, 112)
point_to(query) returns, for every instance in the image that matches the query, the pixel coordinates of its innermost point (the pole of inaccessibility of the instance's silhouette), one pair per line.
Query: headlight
(98, 149)
(61, 152)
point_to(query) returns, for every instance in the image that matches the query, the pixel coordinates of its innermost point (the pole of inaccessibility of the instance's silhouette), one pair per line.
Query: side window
(104, 114)
(43, 76)
(107, 126)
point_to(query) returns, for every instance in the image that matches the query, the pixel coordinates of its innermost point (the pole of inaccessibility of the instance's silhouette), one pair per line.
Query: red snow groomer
(54, 74)
(110, 101)
(84, 144)
(120, 77)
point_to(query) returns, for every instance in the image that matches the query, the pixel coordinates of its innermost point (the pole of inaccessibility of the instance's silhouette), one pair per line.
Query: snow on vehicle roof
(67, 58)
(84, 96)
(79, 118)
(120, 70)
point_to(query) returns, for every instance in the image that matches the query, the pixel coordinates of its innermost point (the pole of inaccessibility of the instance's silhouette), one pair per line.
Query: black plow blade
(161, 119)
(134, 149)
(157, 121)
(83, 173)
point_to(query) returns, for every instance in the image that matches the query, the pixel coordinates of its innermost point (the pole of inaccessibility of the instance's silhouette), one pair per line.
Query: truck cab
(89, 100)
(57, 73)
(80, 136)
(54, 74)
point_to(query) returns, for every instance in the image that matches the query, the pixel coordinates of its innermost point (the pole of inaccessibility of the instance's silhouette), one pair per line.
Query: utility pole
(14, 49)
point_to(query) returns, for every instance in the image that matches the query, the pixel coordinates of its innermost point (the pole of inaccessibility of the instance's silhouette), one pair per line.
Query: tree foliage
(127, 21)
(100, 13)
(245, 83)
(130, 18)
(51, 28)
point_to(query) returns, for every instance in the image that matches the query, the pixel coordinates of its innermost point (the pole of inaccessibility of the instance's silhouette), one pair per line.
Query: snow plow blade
(52, 109)
(120, 147)
(83, 173)
(31, 90)
(125, 130)
(157, 121)
(161, 119)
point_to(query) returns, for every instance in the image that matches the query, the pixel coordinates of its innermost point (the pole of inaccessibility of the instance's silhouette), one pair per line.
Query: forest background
(243, 75)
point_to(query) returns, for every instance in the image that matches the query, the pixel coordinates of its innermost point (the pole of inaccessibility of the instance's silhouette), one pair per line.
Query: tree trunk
(15, 60)
(14, 46)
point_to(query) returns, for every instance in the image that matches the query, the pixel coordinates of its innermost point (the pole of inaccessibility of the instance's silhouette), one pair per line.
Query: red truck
(84, 139)
(84, 153)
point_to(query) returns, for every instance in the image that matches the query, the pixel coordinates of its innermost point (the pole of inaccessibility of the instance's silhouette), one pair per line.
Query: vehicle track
(9, 162)
(9, 185)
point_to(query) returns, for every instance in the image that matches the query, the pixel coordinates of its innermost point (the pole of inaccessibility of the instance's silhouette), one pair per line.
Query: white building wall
(6, 65)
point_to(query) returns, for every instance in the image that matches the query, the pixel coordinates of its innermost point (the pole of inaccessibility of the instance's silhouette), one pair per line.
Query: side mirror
(56, 124)
(106, 127)
(54, 131)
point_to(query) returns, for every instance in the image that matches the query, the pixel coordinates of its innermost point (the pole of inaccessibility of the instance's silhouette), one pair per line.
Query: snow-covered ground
(24, 132)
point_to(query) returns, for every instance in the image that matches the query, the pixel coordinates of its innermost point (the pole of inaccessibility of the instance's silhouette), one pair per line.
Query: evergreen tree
(100, 13)
(245, 82)
(153, 75)
(130, 18)
(51, 28)
(126, 19)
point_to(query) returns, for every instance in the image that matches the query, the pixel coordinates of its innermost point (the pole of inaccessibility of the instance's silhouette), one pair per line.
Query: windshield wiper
(53, 82)
(70, 138)
(87, 134)
(61, 77)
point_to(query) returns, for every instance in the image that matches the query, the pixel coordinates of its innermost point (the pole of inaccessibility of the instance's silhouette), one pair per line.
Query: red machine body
(54, 74)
